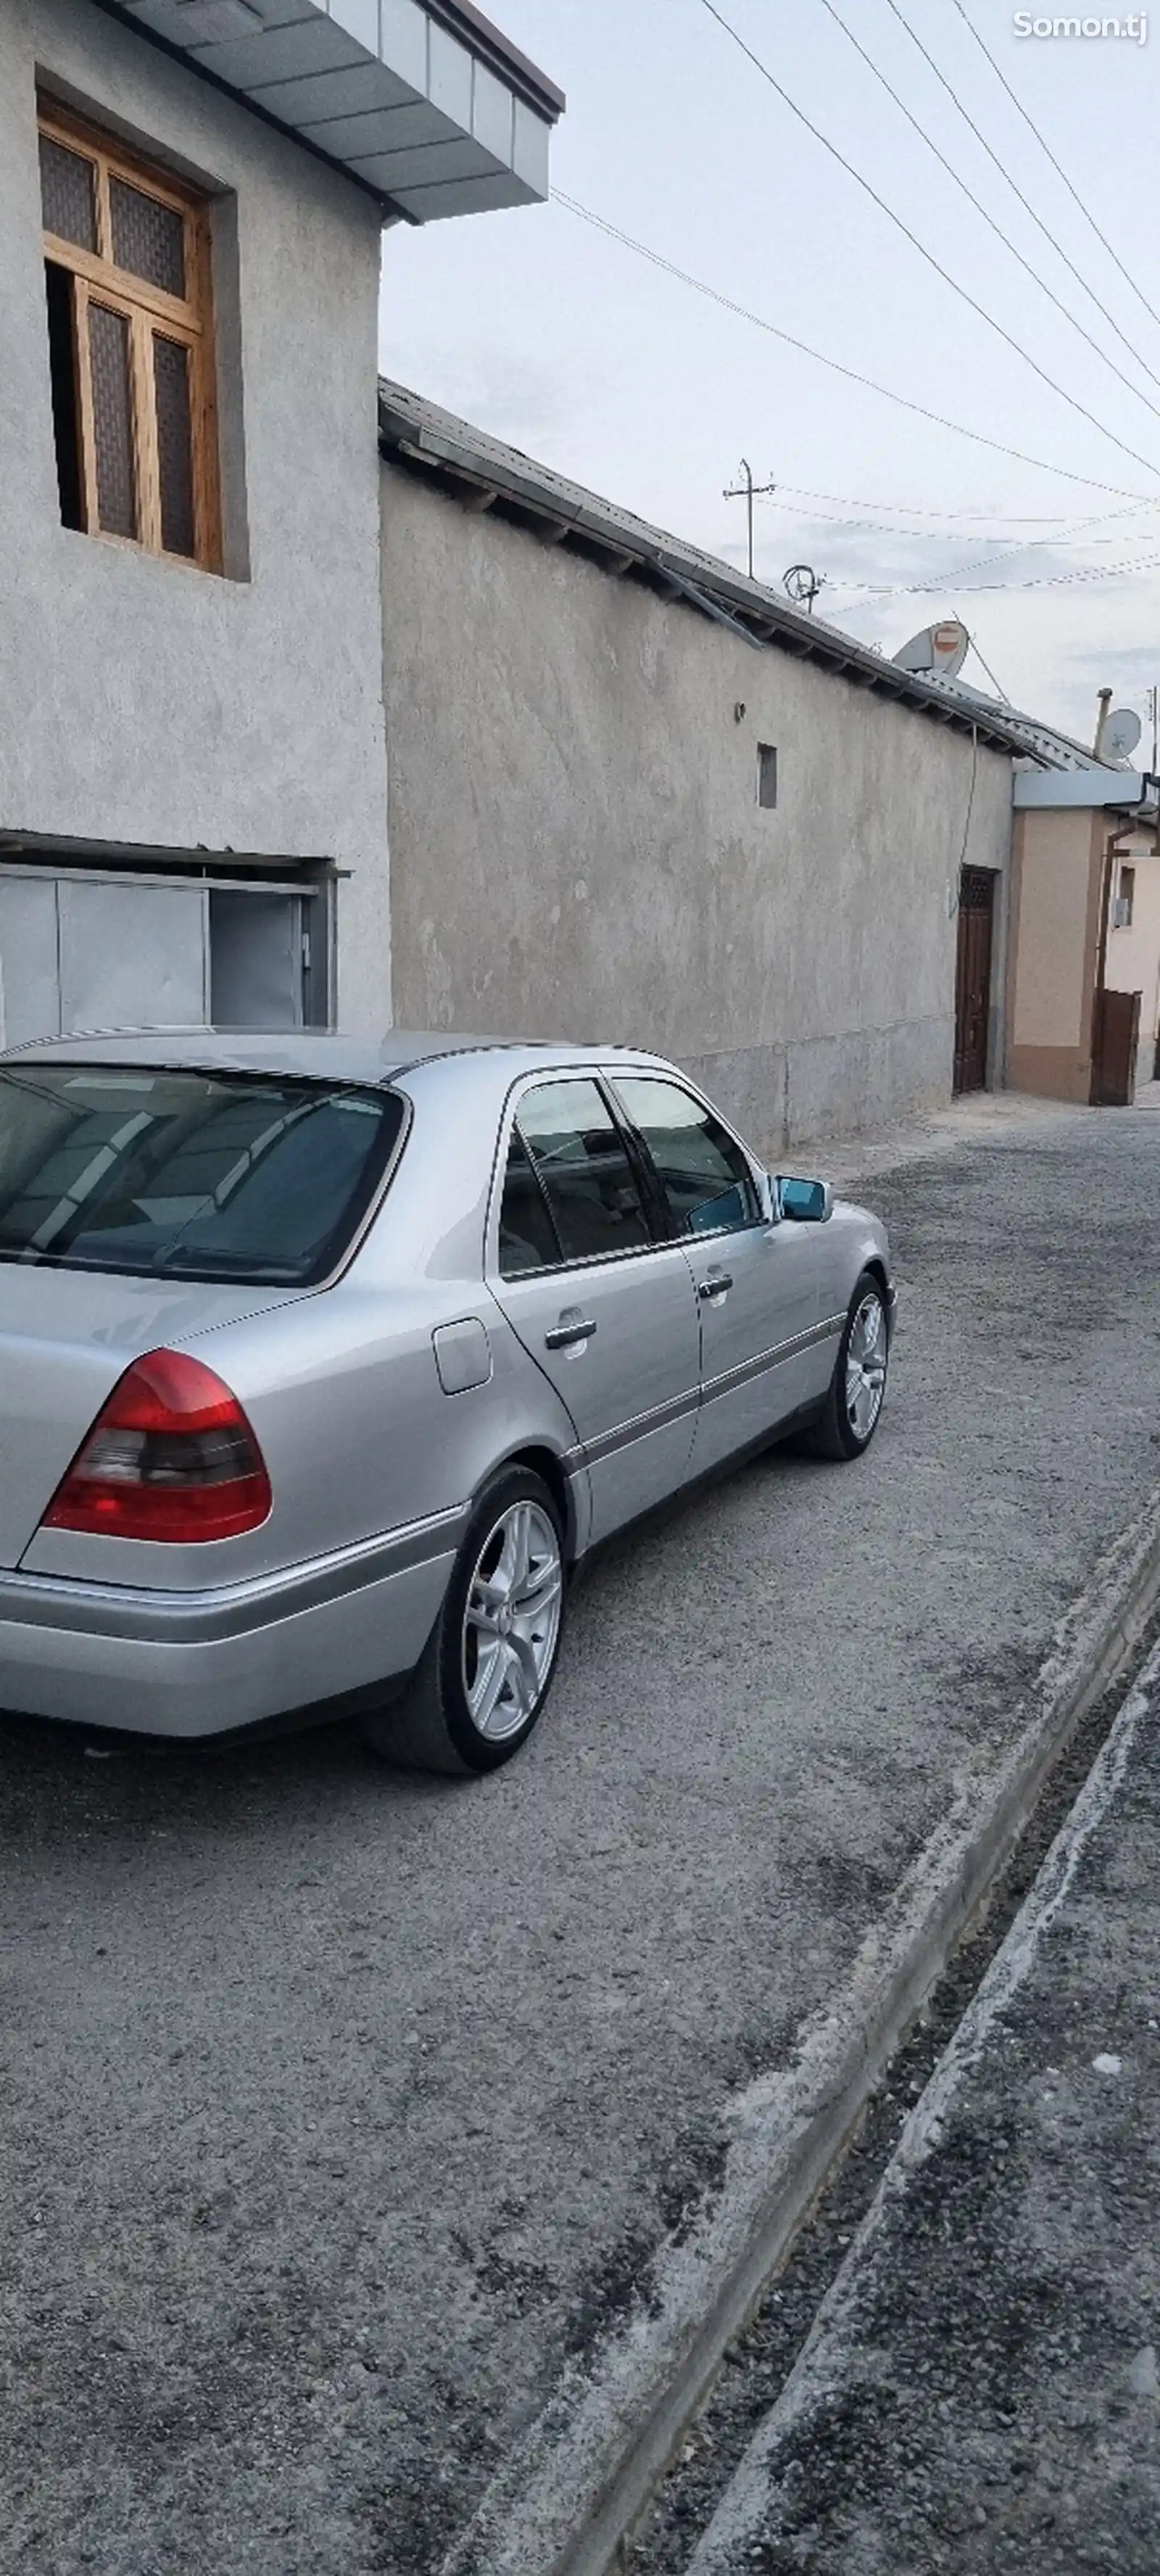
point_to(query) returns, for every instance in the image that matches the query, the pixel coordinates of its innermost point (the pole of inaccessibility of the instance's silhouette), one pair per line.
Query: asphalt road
(982, 2392)
(342, 2108)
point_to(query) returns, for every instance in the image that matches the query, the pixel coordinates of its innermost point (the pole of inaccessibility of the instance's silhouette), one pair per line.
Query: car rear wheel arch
(434, 1723)
(546, 1464)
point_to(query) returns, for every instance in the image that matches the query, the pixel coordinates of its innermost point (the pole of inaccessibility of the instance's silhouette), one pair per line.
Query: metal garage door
(81, 950)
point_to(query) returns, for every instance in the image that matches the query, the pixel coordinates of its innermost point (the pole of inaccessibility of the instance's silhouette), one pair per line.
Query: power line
(1017, 191)
(1130, 382)
(852, 375)
(963, 292)
(915, 510)
(1088, 573)
(973, 590)
(952, 536)
(1029, 545)
(1056, 165)
(940, 581)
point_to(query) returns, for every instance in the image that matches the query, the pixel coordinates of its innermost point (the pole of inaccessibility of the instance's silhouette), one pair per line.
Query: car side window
(575, 1150)
(527, 1236)
(703, 1173)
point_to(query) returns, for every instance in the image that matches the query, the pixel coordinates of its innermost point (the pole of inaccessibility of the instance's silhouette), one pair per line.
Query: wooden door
(1117, 1035)
(973, 978)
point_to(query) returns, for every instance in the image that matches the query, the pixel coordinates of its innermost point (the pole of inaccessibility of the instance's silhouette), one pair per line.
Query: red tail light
(170, 1456)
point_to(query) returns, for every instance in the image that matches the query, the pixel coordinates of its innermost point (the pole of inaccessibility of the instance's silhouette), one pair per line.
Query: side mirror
(806, 1202)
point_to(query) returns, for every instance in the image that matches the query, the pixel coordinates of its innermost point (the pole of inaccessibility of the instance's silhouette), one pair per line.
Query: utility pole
(1153, 709)
(748, 491)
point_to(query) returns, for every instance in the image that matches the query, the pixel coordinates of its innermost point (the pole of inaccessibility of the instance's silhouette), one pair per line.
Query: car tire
(484, 1676)
(852, 1411)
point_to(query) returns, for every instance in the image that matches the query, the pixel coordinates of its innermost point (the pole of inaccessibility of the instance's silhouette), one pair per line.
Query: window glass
(182, 1174)
(705, 1177)
(148, 238)
(113, 421)
(580, 1156)
(527, 1236)
(174, 446)
(67, 194)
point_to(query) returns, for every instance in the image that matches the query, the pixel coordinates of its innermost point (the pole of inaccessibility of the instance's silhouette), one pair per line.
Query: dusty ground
(343, 2108)
(983, 2393)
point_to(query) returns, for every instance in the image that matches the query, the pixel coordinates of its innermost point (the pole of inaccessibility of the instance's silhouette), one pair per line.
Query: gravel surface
(343, 2109)
(983, 2391)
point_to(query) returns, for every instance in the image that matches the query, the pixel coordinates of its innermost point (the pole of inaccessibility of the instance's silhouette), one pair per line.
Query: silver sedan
(325, 1363)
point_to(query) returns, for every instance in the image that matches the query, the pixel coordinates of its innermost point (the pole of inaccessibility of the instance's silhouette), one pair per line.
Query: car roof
(323, 1053)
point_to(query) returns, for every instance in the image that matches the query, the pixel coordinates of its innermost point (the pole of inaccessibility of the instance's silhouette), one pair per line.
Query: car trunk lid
(66, 1336)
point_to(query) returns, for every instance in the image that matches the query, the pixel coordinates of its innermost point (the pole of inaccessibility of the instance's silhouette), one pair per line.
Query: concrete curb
(743, 2515)
(572, 2491)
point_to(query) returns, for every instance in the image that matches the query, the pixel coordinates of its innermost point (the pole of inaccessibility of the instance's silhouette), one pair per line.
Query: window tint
(705, 1176)
(527, 1236)
(186, 1175)
(580, 1156)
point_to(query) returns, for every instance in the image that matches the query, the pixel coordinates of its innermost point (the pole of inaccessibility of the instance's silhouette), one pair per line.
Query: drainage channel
(756, 2365)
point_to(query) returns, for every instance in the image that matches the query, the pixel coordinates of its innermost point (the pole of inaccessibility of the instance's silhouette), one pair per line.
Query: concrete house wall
(143, 701)
(578, 848)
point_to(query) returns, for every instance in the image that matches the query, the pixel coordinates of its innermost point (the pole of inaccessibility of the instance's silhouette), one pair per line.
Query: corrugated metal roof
(1047, 749)
(424, 436)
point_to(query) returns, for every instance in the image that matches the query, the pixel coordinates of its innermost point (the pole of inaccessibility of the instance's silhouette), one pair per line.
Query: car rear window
(181, 1173)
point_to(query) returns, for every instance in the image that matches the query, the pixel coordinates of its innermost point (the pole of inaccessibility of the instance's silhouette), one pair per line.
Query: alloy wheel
(866, 1358)
(512, 1621)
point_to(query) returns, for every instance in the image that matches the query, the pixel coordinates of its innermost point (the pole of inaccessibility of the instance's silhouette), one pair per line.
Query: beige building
(1084, 935)
(1133, 956)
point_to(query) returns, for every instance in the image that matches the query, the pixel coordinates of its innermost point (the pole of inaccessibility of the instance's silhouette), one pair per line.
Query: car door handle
(716, 1286)
(562, 1336)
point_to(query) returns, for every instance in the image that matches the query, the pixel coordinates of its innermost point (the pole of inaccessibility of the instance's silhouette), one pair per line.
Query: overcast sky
(551, 335)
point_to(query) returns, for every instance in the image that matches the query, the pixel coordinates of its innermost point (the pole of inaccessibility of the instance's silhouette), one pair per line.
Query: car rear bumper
(203, 1663)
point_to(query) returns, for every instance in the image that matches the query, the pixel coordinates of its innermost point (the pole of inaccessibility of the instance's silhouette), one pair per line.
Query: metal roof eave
(1126, 791)
(447, 448)
(468, 22)
(422, 102)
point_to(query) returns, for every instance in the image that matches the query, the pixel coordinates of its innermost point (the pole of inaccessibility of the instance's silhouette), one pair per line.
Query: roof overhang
(423, 101)
(65, 850)
(419, 436)
(1126, 790)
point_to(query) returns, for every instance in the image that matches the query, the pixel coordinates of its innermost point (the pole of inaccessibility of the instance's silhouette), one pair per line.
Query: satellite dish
(802, 584)
(1121, 734)
(941, 650)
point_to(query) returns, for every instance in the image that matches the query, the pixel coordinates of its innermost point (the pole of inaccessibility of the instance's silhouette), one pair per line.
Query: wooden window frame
(146, 308)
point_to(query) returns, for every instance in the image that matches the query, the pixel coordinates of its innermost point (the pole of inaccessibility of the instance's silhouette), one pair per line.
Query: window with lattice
(127, 278)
